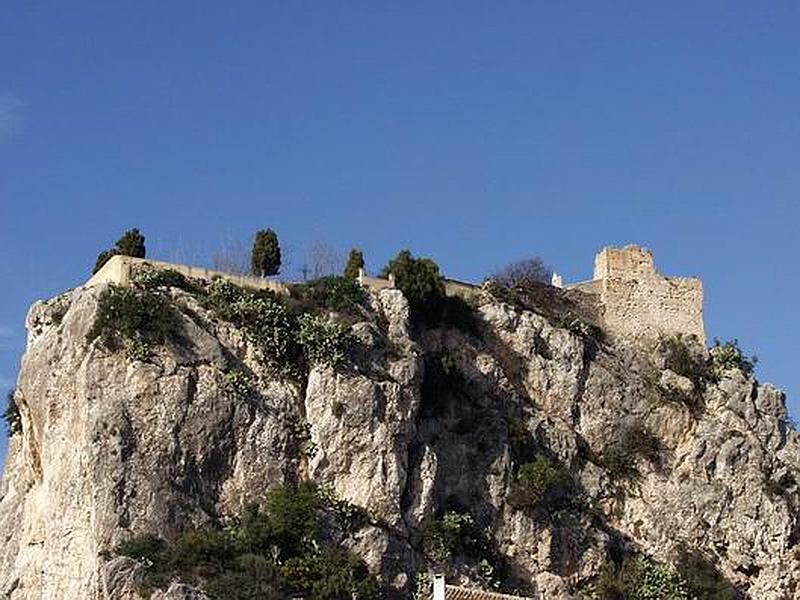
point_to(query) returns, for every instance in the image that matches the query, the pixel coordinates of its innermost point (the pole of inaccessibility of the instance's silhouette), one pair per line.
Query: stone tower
(640, 304)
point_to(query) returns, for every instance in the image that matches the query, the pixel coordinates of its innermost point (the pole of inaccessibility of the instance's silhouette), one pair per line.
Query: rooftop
(455, 592)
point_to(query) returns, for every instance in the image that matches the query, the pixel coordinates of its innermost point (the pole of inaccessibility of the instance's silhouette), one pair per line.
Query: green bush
(329, 575)
(208, 548)
(267, 324)
(132, 315)
(324, 342)
(340, 294)
(638, 578)
(539, 485)
(287, 344)
(252, 531)
(456, 538)
(421, 284)
(236, 384)
(248, 577)
(442, 538)
(11, 415)
(348, 517)
(222, 295)
(294, 516)
(145, 548)
(153, 278)
(728, 356)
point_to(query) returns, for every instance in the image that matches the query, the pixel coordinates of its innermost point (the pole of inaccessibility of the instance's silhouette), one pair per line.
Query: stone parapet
(120, 270)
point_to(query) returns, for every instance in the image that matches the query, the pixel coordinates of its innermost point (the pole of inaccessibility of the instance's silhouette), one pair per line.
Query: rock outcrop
(417, 424)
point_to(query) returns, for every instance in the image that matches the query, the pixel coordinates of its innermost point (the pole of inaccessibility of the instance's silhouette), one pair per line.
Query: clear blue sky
(475, 133)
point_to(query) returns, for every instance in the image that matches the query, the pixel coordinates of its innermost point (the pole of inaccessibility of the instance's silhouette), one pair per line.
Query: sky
(475, 133)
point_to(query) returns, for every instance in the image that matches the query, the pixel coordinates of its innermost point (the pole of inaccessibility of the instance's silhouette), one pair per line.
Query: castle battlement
(121, 270)
(637, 302)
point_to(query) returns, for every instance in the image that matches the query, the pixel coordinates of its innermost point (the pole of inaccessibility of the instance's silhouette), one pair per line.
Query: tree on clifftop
(355, 261)
(421, 284)
(130, 244)
(266, 256)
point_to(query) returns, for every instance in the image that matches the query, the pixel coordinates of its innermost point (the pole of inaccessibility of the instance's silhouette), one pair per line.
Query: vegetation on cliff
(290, 547)
(291, 335)
(134, 317)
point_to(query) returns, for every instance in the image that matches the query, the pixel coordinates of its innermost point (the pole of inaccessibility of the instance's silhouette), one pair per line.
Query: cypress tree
(355, 261)
(266, 255)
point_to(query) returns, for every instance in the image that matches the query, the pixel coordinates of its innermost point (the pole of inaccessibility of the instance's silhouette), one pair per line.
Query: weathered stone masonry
(640, 304)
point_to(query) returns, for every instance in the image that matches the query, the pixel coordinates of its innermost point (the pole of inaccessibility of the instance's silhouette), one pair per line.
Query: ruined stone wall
(120, 270)
(646, 309)
(454, 287)
(641, 304)
(375, 283)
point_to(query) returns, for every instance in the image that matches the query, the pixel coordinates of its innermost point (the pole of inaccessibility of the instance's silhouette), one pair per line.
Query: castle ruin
(638, 303)
(634, 300)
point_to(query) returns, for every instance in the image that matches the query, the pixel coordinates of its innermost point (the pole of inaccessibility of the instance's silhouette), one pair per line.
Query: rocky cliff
(521, 451)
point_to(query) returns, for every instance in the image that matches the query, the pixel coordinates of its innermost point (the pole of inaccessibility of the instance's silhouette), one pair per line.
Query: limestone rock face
(113, 446)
